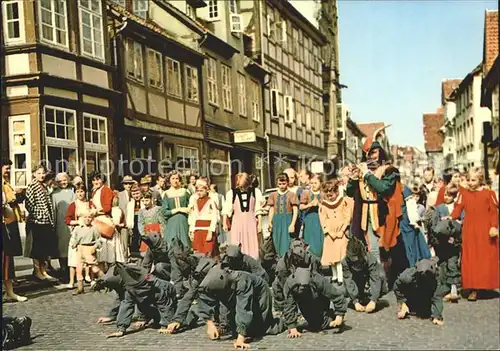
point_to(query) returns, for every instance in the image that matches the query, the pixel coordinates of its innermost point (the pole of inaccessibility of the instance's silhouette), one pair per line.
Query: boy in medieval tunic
(154, 298)
(185, 315)
(236, 260)
(246, 297)
(417, 289)
(361, 270)
(312, 293)
(297, 256)
(283, 214)
(203, 219)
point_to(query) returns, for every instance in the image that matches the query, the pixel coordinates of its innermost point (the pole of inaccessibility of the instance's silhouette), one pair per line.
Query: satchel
(105, 226)
(15, 332)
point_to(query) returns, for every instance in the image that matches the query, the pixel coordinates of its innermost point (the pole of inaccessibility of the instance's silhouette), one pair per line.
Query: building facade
(58, 99)
(160, 124)
(434, 136)
(449, 109)
(469, 118)
(288, 46)
(351, 147)
(232, 96)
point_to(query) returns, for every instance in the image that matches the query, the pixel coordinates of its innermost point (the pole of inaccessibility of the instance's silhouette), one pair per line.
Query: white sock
(334, 273)
(340, 275)
(454, 289)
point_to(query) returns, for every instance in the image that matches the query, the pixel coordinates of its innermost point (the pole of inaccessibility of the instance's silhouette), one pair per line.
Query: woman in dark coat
(41, 242)
(10, 232)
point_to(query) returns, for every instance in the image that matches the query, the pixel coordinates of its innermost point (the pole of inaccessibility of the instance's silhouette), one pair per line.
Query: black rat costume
(238, 261)
(364, 277)
(312, 293)
(247, 300)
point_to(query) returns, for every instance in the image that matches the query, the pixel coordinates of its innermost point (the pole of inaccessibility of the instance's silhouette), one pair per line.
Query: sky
(395, 53)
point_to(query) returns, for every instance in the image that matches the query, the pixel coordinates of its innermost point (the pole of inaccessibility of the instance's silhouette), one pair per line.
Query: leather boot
(79, 290)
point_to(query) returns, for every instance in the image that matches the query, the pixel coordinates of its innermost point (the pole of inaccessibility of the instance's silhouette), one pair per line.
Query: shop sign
(245, 137)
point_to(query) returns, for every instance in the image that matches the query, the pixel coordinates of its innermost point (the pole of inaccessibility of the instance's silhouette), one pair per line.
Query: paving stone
(64, 322)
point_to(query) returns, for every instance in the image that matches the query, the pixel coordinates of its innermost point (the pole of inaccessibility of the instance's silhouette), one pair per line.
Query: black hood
(131, 275)
(216, 280)
(203, 267)
(155, 242)
(427, 266)
(356, 253)
(300, 282)
(297, 253)
(233, 257)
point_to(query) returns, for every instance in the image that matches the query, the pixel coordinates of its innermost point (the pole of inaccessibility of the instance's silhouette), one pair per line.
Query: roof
(447, 87)
(466, 81)
(434, 138)
(490, 44)
(355, 128)
(369, 128)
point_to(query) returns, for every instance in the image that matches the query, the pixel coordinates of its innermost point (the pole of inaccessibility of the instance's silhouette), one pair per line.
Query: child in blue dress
(283, 213)
(309, 205)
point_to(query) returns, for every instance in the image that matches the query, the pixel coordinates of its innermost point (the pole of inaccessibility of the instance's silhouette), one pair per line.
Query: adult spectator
(62, 197)
(450, 175)
(40, 235)
(429, 179)
(160, 188)
(10, 231)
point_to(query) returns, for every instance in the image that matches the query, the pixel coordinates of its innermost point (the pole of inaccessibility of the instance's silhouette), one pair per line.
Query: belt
(91, 244)
(370, 201)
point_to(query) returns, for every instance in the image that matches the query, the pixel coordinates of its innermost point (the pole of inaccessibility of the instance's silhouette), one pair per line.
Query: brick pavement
(64, 322)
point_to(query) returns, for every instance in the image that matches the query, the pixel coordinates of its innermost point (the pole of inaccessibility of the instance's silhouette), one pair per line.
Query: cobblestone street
(64, 322)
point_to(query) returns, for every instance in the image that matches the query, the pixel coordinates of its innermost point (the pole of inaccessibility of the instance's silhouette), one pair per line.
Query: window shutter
(274, 103)
(236, 23)
(289, 112)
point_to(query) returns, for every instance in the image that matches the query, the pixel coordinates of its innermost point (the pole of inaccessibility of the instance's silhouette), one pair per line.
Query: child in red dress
(480, 264)
(203, 218)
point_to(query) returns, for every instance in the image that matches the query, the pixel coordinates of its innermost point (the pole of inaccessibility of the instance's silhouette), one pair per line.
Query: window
(141, 8)
(213, 97)
(60, 139)
(270, 24)
(255, 101)
(13, 21)
(155, 69)
(213, 10)
(306, 52)
(236, 23)
(274, 103)
(187, 159)
(283, 36)
(95, 133)
(242, 92)
(318, 114)
(121, 2)
(307, 102)
(91, 28)
(174, 77)
(298, 106)
(134, 60)
(288, 102)
(53, 24)
(191, 83)
(20, 150)
(190, 11)
(301, 46)
(233, 7)
(227, 97)
(295, 50)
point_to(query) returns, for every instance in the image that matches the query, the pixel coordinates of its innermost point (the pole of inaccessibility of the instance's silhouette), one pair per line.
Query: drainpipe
(268, 155)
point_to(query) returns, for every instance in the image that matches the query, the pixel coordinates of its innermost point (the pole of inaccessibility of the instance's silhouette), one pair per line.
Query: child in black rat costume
(417, 289)
(312, 293)
(238, 261)
(361, 269)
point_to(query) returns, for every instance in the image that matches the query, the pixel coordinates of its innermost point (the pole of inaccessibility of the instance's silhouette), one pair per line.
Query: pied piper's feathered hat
(377, 140)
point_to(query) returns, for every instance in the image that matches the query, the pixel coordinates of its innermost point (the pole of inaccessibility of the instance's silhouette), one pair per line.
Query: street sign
(317, 167)
(244, 137)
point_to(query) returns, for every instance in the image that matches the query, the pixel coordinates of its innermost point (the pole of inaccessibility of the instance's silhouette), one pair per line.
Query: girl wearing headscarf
(62, 197)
